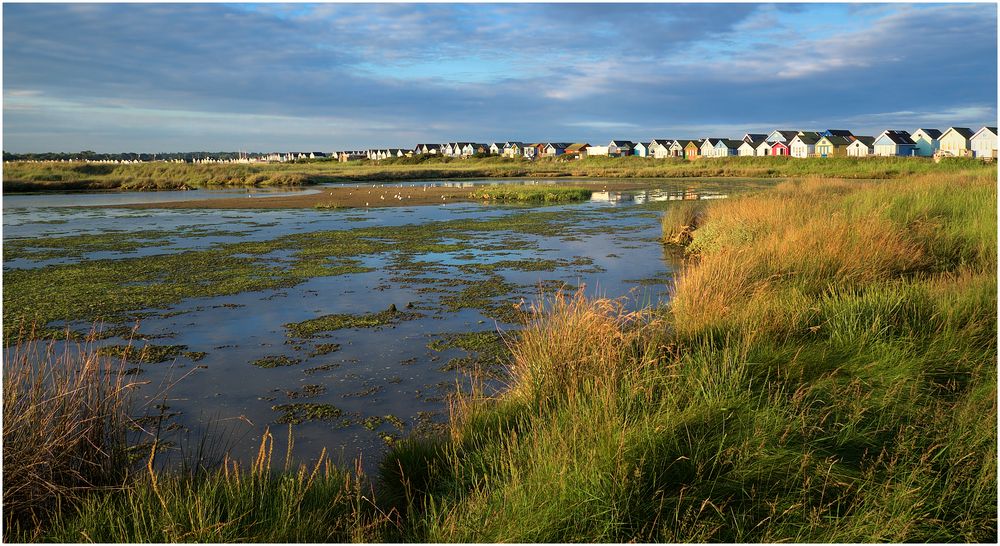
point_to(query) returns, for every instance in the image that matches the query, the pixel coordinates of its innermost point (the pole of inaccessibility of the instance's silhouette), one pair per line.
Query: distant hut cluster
(953, 142)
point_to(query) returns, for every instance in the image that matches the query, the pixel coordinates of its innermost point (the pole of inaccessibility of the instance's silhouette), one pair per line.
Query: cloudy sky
(263, 77)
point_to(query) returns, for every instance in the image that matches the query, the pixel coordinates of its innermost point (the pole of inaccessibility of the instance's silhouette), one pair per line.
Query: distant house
(894, 143)
(780, 148)
(763, 149)
(955, 142)
(749, 147)
(926, 142)
(804, 145)
(639, 149)
(496, 148)
(984, 143)
(754, 137)
(530, 151)
(576, 149)
(552, 149)
(708, 147)
(837, 132)
(781, 135)
(474, 148)
(861, 146)
(427, 149)
(597, 151)
(351, 155)
(833, 146)
(677, 147)
(659, 148)
(513, 149)
(726, 147)
(620, 148)
(692, 150)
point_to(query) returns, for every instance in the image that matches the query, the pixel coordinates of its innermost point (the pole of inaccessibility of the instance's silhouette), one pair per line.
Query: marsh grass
(65, 416)
(826, 373)
(529, 194)
(59, 176)
(260, 502)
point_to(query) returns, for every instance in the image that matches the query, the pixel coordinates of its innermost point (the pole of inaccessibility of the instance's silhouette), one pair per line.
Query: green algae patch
(148, 354)
(324, 349)
(329, 323)
(307, 391)
(532, 194)
(490, 348)
(275, 361)
(300, 412)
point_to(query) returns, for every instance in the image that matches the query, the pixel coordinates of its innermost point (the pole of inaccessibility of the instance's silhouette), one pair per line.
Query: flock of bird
(398, 195)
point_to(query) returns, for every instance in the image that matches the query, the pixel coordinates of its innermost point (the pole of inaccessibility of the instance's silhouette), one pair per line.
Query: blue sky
(263, 77)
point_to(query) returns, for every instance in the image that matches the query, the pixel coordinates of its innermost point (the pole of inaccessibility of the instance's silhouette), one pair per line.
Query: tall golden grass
(65, 416)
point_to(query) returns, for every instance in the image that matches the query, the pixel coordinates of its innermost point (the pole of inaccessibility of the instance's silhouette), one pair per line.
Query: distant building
(984, 143)
(782, 135)
(804, 144)
(955, 142)
(780, 148)
(894, 143)
(862, 146)
(832, 146)
(620, 148)
(926, 142)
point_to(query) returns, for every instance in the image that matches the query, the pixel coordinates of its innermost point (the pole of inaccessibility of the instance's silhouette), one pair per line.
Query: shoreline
(367, 197)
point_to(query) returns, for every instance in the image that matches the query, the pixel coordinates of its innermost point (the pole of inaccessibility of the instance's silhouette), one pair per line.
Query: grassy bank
(22, 177)
(826, 372)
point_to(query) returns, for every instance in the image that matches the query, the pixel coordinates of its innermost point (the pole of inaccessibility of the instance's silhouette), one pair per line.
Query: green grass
(57, 176)
(827, 373)
(529, 194)
(293, 503)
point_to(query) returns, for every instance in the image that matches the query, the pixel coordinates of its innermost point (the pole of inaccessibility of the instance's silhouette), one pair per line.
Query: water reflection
(649, 196)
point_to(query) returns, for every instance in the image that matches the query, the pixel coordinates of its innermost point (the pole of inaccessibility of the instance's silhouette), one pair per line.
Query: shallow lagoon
(383, 382)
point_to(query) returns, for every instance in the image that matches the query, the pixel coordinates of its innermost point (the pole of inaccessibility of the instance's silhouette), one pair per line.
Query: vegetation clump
(329, 323)
(148, 354)
(532, 194)
(275, 361)
(300, 412)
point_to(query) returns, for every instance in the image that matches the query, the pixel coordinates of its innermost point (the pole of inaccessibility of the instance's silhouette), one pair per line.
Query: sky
(324, 77)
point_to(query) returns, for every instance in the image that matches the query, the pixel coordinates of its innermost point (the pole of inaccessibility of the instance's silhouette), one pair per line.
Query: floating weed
(300, 412)
(275, 361)
(324, 349)
(148, 354)
(329, 323)
(307, 391)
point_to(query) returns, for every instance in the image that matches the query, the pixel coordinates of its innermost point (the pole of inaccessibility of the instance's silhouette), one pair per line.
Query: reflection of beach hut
(861, 147)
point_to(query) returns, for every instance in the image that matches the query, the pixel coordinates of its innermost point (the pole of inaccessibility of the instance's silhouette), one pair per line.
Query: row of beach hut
(952, 142)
